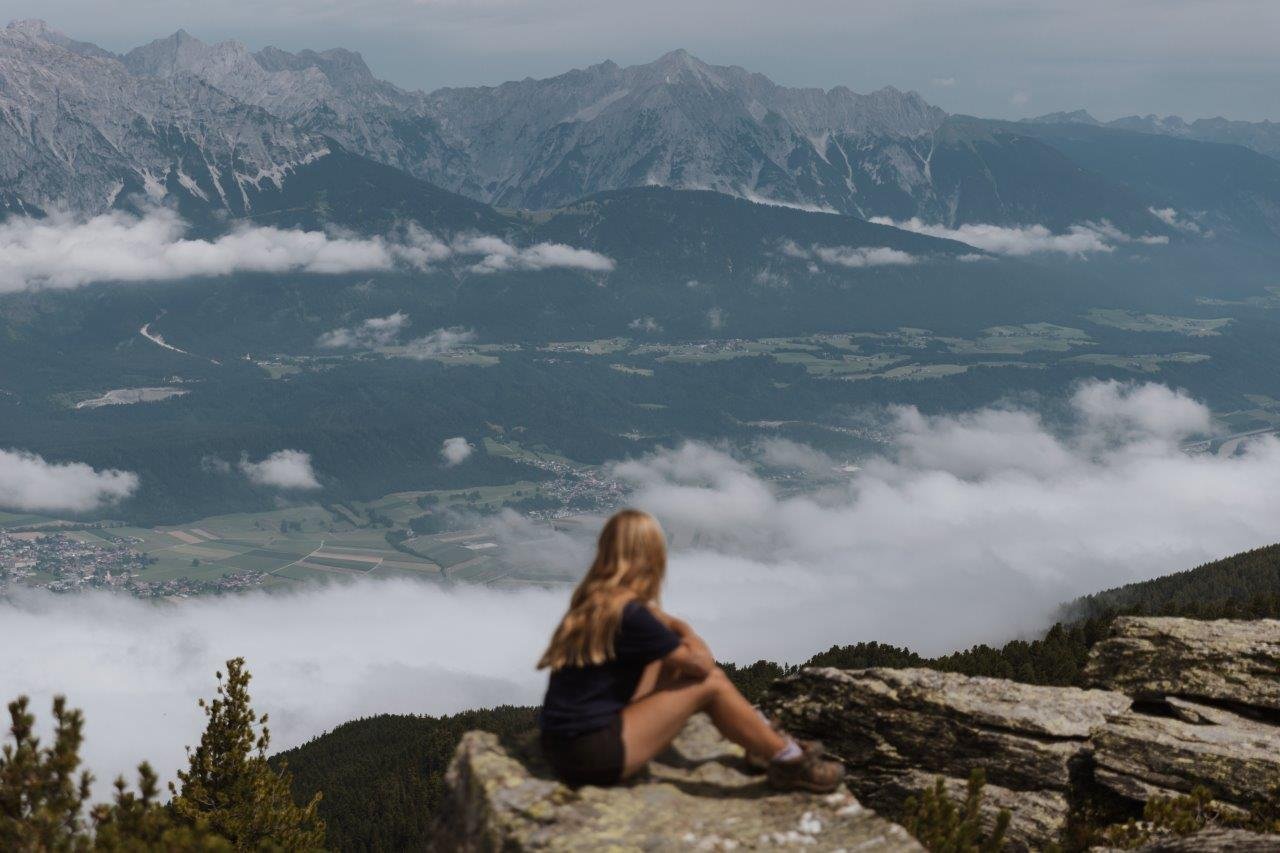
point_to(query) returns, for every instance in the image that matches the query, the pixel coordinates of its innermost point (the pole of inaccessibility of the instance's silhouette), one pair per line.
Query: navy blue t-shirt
(582, 699)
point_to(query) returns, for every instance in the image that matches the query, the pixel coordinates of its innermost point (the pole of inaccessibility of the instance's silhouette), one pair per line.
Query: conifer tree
(41, 796)
(137, 823)
(228, 784)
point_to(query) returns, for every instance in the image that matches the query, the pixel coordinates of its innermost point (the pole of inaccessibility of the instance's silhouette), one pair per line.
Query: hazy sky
(1007, 58)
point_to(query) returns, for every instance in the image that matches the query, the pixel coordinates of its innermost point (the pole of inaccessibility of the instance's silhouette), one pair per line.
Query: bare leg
(651, 723)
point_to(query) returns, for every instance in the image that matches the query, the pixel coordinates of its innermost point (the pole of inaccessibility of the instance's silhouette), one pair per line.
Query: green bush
(944, 826)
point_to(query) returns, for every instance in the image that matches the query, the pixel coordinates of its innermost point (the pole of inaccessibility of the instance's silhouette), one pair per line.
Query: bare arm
(692, 657)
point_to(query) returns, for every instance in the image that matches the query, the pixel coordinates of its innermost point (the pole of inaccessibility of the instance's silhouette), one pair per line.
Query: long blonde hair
(630, 563)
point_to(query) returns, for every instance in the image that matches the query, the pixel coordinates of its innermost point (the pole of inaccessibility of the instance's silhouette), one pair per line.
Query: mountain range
(220, 128)
(1261, 136)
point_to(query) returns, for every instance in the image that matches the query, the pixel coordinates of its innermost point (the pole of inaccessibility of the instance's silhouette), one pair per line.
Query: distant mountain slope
(330, 93)
(222, 128)
(80, 132)
(1261, 136)
(1224, 186)
(383, 777)
(1227, 587)
(676, 122)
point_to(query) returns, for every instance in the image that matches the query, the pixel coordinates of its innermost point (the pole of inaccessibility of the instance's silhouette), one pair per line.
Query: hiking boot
(760, 763)
(809, 772)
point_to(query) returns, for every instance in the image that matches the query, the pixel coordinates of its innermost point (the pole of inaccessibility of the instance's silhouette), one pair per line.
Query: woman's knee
(716, 680)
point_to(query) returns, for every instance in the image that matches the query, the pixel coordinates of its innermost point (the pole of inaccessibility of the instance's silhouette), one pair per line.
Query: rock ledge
(695, 797)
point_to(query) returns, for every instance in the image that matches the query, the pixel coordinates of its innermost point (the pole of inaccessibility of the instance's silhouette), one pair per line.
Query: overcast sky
(1003, 58)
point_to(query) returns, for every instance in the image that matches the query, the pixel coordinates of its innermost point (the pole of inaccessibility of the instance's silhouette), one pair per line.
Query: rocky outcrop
(1179, 705)
(1183, 704)
(1140, 755)
(1216, 841)
(1222, 661)
(898, 730)
(695, 797)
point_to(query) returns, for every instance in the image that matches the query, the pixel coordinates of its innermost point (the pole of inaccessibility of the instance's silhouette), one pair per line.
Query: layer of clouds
(455, 451)
(439, 342)
(847, 256)
(319, 657)
(31, 484)
(373, 332)
(64, 252)
(792, 455)
(1020, 240)
(967, 528)
(498, 255)
(284, 469)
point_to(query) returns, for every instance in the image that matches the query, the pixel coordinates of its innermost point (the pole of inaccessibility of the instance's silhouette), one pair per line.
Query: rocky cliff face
(1180, 704)
(79, 131)
(1176, 704)
(182, 116)
(675, 122)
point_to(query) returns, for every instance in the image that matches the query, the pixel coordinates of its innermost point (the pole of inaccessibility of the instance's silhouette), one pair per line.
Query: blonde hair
(630, 563)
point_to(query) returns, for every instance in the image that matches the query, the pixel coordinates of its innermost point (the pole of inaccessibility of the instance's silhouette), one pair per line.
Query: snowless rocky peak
(676, 121)
(37, 29)
(83, 132)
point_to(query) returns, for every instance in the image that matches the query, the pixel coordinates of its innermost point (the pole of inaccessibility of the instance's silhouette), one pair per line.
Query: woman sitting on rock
(625, 677)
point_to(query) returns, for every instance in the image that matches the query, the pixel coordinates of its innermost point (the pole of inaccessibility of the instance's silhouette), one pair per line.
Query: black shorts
(591, 758)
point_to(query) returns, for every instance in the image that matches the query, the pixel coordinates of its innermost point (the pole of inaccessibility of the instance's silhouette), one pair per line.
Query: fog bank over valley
(971, 528)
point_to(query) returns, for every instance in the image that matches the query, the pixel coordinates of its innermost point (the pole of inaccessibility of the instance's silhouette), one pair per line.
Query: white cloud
(455, 451)
(373, 332)
(284, 469)
(30, 484)
(648, 325)
(419, 248)
(944, 82)
(862, 256)
(1020, 240)
(716, 317)
(501, 256)
(63, 252)
(1173, 219)
(436, 343)
(1020, 98)
(784, 453)
(968, 528)
(847, 256)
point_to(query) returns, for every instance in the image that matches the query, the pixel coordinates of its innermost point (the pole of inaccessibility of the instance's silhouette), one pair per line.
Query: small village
(59, 563)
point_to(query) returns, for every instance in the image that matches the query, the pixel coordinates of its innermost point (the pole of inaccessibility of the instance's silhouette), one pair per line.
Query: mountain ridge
(217, 127)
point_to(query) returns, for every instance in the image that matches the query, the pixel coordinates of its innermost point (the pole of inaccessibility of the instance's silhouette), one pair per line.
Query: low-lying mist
(970, 528)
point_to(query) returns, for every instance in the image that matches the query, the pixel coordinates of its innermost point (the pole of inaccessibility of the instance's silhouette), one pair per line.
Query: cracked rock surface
(899, 729)
(695, 797)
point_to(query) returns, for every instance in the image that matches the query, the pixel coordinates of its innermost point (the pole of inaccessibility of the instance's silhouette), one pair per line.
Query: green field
(1131, 321)
(1140, 363)
(308, 543)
